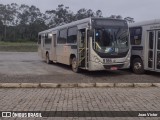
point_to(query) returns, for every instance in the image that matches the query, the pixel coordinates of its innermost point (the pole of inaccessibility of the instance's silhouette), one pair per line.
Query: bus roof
(86, 20)
(144, 23)
(67, 25)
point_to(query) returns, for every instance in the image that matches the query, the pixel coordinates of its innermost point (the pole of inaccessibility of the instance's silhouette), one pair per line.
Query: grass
(18, 46)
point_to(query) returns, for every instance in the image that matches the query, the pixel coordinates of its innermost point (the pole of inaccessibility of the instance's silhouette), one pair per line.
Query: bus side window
(72, 35)
(62, 39)
(136, 36)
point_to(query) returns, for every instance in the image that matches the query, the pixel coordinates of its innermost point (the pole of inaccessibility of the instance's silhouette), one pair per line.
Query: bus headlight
(128, 59)
(96, 59)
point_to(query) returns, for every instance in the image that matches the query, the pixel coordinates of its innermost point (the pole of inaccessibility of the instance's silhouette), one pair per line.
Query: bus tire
(74, 65)
(47, 59)
(137, 66)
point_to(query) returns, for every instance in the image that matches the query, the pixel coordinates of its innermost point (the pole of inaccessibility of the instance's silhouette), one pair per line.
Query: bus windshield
(111, 40)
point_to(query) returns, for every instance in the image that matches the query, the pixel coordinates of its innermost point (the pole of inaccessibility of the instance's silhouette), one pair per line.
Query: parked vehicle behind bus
(91, 44)
(145, 42)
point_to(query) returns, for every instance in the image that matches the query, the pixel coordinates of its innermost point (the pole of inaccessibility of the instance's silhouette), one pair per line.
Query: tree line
(23, 22)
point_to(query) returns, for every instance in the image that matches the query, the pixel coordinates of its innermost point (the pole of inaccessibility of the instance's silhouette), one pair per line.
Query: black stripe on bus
(137, 47)
(72, 46)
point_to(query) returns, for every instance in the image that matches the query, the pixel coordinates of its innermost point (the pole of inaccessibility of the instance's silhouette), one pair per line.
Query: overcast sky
(138, 9)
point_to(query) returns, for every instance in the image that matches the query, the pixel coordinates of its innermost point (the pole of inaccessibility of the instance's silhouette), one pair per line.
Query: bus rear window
(48, 41)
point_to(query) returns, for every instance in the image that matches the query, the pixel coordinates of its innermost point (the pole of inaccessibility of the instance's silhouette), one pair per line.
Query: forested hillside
(23, 22)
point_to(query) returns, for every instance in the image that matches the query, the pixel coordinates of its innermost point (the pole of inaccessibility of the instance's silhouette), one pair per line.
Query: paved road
(86, 99)
(28, 67)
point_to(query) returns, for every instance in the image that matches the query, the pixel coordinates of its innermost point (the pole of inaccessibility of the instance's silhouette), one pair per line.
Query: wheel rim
(47, 58)
(137, 65)
(74, 64)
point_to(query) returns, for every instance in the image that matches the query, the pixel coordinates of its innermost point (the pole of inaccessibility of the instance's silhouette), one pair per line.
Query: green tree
(24, 22)
(81, 14)
(6, 16)
(30, 17)
(1, 30)
(61, 15)
(84, 13)
(119, 17)
(15, 21)
(99, 13)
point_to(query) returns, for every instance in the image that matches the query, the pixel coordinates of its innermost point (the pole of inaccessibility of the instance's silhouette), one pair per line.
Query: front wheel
(47, 59)
(137, 66)
(75, 65)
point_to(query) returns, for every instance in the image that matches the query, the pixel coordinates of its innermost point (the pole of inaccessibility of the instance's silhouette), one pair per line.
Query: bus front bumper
(94, 66)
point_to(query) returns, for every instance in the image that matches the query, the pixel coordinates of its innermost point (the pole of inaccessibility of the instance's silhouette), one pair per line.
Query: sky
(140, 10)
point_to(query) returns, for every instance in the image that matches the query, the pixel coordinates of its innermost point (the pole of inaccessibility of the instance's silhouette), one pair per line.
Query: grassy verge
(18, 46)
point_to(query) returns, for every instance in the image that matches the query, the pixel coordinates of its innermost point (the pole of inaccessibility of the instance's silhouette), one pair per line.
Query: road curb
(30, 85)
(49, 85)
(156, 84)
(10, 85)
(104, 85)
(86, 85)
(78, 85)
(124, 85)
(68, 85)
(143, 84)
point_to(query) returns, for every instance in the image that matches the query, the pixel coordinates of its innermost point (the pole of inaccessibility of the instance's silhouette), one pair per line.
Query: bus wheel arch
(137, 65)
(73, 63)
(47, 58)
(71, 57)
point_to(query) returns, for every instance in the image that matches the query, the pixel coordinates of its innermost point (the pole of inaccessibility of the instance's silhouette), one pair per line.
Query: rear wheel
(137, 66)
(74, 65)
(47, 59)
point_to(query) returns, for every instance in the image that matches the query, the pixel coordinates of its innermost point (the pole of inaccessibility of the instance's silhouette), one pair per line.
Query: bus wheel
(137, 66)
(47, 59)
(74, 65)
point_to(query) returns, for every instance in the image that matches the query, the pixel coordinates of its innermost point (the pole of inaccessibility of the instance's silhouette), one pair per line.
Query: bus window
(158, 45)
(39, 39)
(135, 36)
(150, 59)
(151, 38)
(62, 39)
(48, 41)
(72, 35)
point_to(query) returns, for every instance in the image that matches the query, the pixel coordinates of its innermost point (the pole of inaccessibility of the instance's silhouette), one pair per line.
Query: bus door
(39, 45)
(151, 42)
(53, 51)
(154, 50)
(82, 48)
(157, 61)
(43, 52)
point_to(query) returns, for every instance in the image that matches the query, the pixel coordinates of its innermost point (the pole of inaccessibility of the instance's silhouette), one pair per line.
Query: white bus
(91, 44)
(145, 42)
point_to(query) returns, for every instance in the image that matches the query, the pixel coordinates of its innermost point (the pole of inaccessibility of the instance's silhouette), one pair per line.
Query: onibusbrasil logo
(21, 114)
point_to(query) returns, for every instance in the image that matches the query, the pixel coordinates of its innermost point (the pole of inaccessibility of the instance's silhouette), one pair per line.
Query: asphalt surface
(28, 67)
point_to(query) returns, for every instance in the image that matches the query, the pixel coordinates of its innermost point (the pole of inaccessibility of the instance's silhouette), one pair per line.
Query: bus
(145, 46)
(91, 44)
